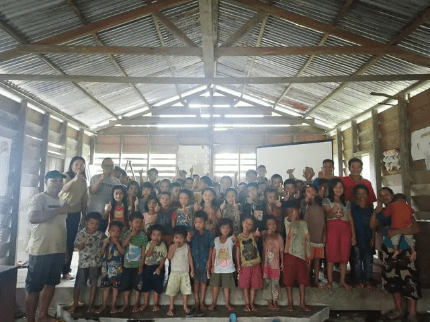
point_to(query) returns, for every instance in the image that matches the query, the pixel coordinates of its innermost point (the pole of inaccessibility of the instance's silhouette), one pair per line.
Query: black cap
(54, 174)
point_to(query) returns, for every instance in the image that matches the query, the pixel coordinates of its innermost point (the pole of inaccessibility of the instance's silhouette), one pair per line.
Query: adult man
(101, 190)
(327, 172)
(355, 166)
(47, 246)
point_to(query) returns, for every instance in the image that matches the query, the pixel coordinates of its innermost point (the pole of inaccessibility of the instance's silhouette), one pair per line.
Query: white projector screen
(280, 158)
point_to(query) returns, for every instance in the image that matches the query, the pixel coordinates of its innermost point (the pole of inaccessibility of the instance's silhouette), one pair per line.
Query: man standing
(355, 166)
(47, 246)
(327, 172)
(101, 190)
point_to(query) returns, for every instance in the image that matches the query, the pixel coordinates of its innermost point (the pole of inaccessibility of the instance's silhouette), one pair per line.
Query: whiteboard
(279, 158)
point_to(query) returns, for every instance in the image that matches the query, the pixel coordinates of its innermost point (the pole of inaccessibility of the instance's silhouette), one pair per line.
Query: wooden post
(404, 148)
(92, 149)
(80, 150)
(64, 128)
(354, 137)
(148, 154)
(376, 154)
(339, 152)
(212, 155)
(17, 152)
(121, 145)
(238, 177)
(44, 151)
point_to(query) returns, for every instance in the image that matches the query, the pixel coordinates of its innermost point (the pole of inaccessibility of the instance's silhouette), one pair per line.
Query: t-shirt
(363, 232)
(158, 253)
(272, 247)
(75, 196)
(179, 262)
(350, 183)
(229, 212)
(224, 256)
(257, 209)
(184, 216)
(48, 237)
(401, 215)
(133, 251)
(90, 256)
(200, 248)
(313, 214)
(297, 240)
(148, 221)
(249, 255)
(100, 199)
(386, 223)
(164, 218)
(112, 263)
(346, 208)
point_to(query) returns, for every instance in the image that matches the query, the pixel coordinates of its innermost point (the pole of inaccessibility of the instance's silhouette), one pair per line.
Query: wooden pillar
(376, 154)
(17, 152)
(404, 148)
(148, 154)
(64, 129)
(354, 137)
(80, 150)
(339, 152)
(238, 177)
(92, 149)
(121, 145)
(44, 151)
(212, 155)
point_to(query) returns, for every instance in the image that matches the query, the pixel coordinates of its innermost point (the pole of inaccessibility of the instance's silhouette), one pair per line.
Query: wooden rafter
(174, 30)
(207, 31)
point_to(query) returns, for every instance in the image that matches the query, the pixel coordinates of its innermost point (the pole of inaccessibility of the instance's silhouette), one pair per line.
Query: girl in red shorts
(248, 262)
(340, 231)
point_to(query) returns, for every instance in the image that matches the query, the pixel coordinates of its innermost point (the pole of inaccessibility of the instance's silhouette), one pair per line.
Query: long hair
(213, 203)
(124, 201)
(70, 172)
(331, 184)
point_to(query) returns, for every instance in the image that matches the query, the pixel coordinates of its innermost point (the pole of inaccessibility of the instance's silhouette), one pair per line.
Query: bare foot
(359, 285)
(72, 310)
(396, 253)
(155, 308)
(170, 312)
(305, 308)
(114, 310)
(100, 309)
(253, 308)
(290, 308)
(91, 309)
(203, 307)
(327, 286)
(123, 308)
(247, 308)
(369, 286)
(275, 305)
(136, 308)
(143, 307)
(186, 309)
(230, 307)
(212, 307)
(413, 256)
(346, 286)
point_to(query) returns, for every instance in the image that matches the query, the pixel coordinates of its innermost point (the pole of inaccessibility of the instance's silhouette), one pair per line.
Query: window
(227, 164)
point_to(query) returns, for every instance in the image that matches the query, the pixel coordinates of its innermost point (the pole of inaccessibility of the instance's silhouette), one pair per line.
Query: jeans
(72, 226)
(363, 264)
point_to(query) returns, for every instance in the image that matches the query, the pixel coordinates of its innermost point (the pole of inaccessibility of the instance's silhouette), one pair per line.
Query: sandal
(68, 277)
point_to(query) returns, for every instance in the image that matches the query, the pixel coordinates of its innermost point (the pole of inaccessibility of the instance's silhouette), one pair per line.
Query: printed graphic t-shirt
(249, 255)
(158, 253)
(133, 252)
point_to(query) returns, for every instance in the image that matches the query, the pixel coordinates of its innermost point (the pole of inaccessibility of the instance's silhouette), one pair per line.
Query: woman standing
(400, 276)
(75, 193)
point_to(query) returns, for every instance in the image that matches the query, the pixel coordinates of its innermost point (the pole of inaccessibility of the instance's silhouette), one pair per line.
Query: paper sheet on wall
(5, 148)
(420, 144)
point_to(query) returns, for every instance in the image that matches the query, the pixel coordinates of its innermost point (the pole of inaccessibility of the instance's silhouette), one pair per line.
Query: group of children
(222, 238)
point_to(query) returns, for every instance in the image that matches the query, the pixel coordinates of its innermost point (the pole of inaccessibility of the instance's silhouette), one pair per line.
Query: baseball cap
(54, 174)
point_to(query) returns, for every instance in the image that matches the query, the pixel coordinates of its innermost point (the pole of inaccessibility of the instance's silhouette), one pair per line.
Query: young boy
(164, 217)
(291, 198)
(297, 256)
(175, 187)
(276, 183)
(111, 253)
(273, 207)
(134, 243)
(88, 242)
(189, 183)
(153, 275)
(251, 176)
(202, 245)
(164, 185)
(261, 170)
(181, 268)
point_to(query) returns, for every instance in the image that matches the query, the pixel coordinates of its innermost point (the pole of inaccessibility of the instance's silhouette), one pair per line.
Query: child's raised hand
(378, 208)
(197, 207)
(235, 205)
(157, 208)
(278, 202)
(257, 233)
(141, 172)
(222, 206)
(136, 202)
(234, 239)
(108, 207)
(191, 171)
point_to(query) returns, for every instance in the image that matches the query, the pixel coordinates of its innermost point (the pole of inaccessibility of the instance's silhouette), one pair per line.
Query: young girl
(147, 190)
(208, 205)
(248, 262)
(231, 209)
(273, 207)
(152, 206)
(273, 251)
(313, 214)
(340, 231)
(184, 214)
(175, 188)
(117, 209)
(133, 193)
(222, 268)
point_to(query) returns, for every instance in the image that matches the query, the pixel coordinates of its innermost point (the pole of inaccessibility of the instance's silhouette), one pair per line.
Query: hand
(280, 190)
(157, 208)
(140, 269)
(189, 236)
(108, 207)
(197, 207)
(192, 273)
(278, 202)
(287, 195)
(234, 239)
(290, 171)
(105, 243)
(83, 242)
(353, 241)
(257, 233)
(239, 269)
(322, 192)
(136, 203)
(158, 271)
(235, 206)
(378, 208)
(141, 172)
(282, 267)
(78, 177)
(372, 242)
(191, 171)
(212, 270)
(222, 206)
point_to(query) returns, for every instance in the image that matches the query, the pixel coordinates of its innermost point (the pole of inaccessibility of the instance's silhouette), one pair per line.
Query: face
(118, 195)
(385, 196)
(136, 223)
(201, 184)
(156, 236)
(184, 200)
(271, 225)
(291, 188)
(165, 201)
(207, 196)
(261, 172)
(78, 166)
(251, 177)
(189, 184)
(151, 204)
(152, 176)
(271, 197)
(114, 232)
(107, 166)
(293, 214)
(230, 197)
(117, 174)
(355, 168)
(247, 225)
(361, 195)
(175, 191)
(178, 239)
(338, 189)
(277, 182)
(146, 192)
(328, 168)
(124, 180)
(164, 187)
(133, 190)
(308, 172)
(225, 230)
(92, 225)
(252, 192)
(54, 185)
(199, 223)
(310, 193)
(224, 184)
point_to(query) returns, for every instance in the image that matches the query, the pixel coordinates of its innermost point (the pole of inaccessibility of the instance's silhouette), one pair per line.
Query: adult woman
(400, 276)
(75, 193)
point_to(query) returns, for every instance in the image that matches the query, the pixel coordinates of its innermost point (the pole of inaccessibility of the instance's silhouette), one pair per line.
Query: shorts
(130, 279)
(201, 276)
(152, 281)
(250, 277)
(114, 282)
(295, 269)
(85, 274)
(44, 270)
(178, 282)
(317, 251)
(271, 290)
(224, 280)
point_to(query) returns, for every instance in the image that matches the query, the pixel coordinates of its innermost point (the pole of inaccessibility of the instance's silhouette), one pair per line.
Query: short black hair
(328, 161)
(207, 180)
(189, 179)
(290, 181)
(180, 230)
(271, 217)
(276, 176)
(150, 198)
(261, 166)
(399, 197)
(187, 192)
(94, 215)
(225, 222)
(269, 190)
(175, 184)
(230, 189)
(120, 170)
(251, 171)
(252, 184)
(228, 178)
(157, 227)
(180, 181)
(135, 215)
(165, 180)
(153, 170)
(195, 175)
(201, 214)
(147, 184)
(167, 193)
(351, 161)
(132, 182)
(117, 223)
(360, 186)
(249, 217)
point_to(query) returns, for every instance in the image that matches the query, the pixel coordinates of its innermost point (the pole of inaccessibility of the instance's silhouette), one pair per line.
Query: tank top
(224, 256)
(180, 260)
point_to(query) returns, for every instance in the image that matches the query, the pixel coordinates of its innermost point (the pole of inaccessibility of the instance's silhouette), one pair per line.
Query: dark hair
(107, 159)
(248, 217)
(252, 184)
(188, 179)
(201, 214)
(331, 184)
(269, 190)
(399, 196)
(213, 203)
(290, 181)
(206, 180)
(147, 184)
(150, 198)
(387, 189)
(153, 170)
(116, 223)
(174, 184)
(187, 192)
(132, 182)
(196, 175)
(261, 166)
(360, 186)
(225, 222)
(228, 178)
(328, 161)
(276, 176)
(135, 215)
(271, 217)
(124, 201)
(230, 189)
(122, 171)
(262, 182)
(251, 171)
(180, 181)
(70, 173)
(94, 215)
(242, 183)
(322, 181)
(166, 180)
(351, 161)
(180, 230)
(157, 227)
(167, 193)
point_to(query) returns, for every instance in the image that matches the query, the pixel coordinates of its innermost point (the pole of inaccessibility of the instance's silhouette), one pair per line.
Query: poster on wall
(420, 145)
(5, 148)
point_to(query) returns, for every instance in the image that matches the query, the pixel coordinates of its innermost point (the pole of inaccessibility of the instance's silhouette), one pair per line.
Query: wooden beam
(92, 149)
(207, 31)
(376, 152)
(216, 110)
(217, 81)
(80, 149)
(44, 151)
(99, 26)
(404, 148)
(354, 136)
(339, 152)
(63, 142)
(174, 30)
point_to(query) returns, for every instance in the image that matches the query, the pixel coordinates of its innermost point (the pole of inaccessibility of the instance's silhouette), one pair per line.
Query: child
(181, 268)
(297, 256)
(261, 170)
(313, 215)
(134, 243)
(164, 185)
(147, 190)
(202, 245)
(248, 262)
(133, 193)
(164, 216)
(153, 274)
(276, 182)
(363, 251)
(117, 209)
(291, 198)
(208, 205)
(175, 187)
(111, 253)
(225, 182)
(88, 242)
(251, 176)
(222, 268)
(340, 231)
(231, 209)
(401, 217)
(273, 207)
(152, 206)
(203, 183)
(189, 183)
(184, 214)
(261, 188)
(273, 259)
